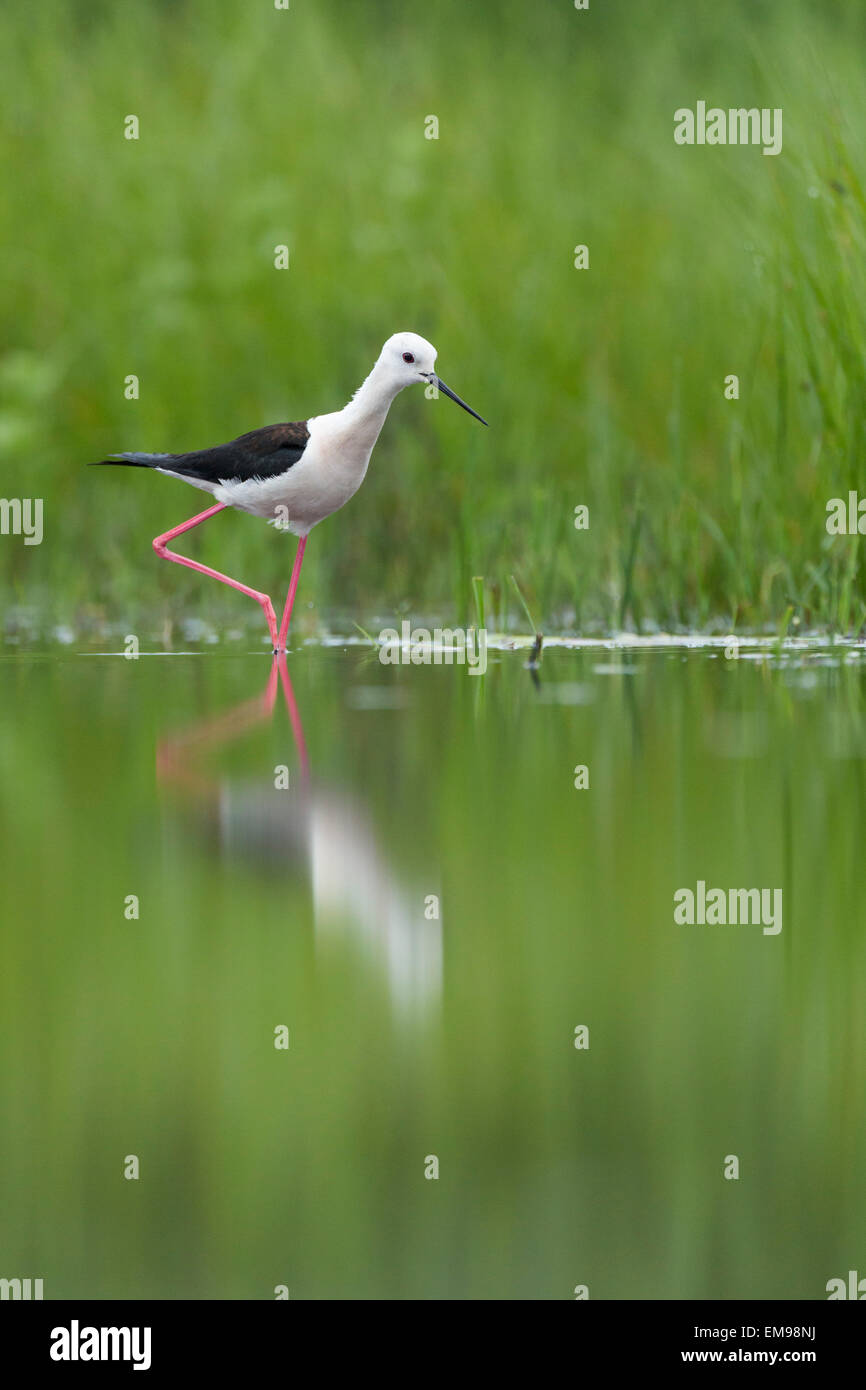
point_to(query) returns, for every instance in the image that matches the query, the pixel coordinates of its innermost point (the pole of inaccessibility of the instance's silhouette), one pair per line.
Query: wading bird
(294, 475)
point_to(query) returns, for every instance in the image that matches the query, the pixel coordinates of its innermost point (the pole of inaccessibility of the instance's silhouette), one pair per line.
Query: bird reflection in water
(321, 830)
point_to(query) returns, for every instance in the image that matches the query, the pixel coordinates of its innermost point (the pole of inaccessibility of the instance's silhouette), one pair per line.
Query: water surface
(431, 909)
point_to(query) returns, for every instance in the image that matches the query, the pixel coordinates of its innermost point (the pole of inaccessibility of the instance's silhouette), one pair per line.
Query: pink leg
(296, 571)
(160, 546)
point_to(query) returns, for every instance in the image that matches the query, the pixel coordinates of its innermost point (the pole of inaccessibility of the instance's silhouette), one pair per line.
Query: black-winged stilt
(294, 475)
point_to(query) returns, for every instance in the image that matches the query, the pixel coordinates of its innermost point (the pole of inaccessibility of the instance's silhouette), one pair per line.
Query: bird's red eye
(407, 357)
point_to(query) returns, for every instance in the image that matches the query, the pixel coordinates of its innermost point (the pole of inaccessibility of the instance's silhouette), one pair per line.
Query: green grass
(603, 386)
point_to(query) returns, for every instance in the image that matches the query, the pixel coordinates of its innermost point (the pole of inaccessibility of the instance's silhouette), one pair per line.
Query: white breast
(328, 473)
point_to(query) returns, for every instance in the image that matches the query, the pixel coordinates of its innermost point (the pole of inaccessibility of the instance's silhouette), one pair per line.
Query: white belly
(329, 472)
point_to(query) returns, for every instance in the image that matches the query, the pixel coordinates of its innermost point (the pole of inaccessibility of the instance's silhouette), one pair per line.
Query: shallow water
(412, 790)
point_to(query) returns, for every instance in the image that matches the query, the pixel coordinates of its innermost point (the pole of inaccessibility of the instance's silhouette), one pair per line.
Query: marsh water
(330, 979)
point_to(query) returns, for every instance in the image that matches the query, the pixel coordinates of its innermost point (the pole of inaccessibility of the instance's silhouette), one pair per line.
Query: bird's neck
(370, 404)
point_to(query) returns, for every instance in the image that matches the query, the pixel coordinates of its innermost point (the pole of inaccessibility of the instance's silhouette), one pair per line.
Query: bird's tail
(135, 460)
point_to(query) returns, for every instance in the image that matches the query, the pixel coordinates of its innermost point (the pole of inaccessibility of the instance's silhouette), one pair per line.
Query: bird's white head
(407, 358)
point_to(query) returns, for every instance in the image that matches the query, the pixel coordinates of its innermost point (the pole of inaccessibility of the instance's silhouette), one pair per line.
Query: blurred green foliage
(305, 127)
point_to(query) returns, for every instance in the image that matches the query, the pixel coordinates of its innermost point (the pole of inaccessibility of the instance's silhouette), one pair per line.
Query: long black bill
(448, 392)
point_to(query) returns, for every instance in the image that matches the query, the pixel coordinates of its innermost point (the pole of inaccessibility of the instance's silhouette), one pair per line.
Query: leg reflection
(322, 830)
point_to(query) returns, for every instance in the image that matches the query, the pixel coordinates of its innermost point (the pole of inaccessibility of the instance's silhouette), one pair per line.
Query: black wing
(262, 453)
